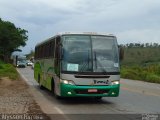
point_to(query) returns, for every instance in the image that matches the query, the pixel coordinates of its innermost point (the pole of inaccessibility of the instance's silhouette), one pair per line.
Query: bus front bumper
(89, 91)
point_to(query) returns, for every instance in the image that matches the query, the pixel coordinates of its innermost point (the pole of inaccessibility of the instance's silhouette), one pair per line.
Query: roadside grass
(7, 70)
(141, 63)
(148, 73)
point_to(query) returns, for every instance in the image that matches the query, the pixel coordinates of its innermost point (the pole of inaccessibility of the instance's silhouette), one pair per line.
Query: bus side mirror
(121, 53)
(60, 51)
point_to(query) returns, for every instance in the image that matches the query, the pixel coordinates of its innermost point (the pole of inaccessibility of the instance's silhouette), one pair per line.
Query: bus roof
(75, 33)
(84, 33)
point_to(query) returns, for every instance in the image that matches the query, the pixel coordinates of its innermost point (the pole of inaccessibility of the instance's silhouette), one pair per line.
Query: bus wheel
(98, 98)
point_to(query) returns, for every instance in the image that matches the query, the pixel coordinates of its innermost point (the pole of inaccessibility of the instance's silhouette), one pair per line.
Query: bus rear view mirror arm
(121, 53)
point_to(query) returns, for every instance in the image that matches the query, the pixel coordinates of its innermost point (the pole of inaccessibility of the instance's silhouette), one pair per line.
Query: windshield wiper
(95, 59)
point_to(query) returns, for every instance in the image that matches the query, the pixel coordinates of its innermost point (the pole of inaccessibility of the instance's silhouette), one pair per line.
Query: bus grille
(86, 91)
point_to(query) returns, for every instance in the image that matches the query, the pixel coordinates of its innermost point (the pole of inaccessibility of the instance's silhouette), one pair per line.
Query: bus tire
(98, 98)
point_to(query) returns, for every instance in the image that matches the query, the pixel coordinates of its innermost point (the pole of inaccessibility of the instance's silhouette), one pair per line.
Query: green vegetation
(7, 70)
(150, 73)
(11, 38)
(141, 62)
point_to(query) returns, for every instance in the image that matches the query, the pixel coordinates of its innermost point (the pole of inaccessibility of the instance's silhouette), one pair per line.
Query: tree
(131, 45)
(121, 53)
(11, 38)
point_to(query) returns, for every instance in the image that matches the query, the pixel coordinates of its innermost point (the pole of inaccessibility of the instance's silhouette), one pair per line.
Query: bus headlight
(70, 82)
(116, 82)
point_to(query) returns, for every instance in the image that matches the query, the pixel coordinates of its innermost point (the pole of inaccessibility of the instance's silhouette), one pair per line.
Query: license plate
(92, 90)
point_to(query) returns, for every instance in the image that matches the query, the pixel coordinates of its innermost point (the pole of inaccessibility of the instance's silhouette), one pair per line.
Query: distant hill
(141, 62)
(141, 55)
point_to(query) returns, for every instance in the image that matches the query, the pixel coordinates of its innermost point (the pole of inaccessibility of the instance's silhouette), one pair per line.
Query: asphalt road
(137, 99)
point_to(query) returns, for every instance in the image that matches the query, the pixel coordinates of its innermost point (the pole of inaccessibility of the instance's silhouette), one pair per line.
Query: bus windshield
(86, 53)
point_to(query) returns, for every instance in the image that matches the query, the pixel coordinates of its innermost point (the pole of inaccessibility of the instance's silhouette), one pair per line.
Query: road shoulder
(141, 87)
(15, 98)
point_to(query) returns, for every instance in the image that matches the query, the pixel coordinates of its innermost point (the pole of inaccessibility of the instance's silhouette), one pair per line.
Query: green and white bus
(79, 65)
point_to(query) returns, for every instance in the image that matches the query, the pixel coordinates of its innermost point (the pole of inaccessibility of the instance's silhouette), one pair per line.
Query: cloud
(139, 36)
(130, 20)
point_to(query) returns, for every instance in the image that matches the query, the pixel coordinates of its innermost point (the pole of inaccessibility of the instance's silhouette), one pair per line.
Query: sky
(132, 21)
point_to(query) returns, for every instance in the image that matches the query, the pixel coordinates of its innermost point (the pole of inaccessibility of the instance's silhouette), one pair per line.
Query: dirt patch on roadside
(16, 99)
